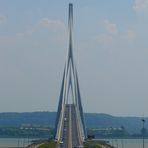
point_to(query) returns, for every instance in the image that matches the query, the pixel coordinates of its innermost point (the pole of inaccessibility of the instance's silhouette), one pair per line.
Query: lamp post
(143, 130)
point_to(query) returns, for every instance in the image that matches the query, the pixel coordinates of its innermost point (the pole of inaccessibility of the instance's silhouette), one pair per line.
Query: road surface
(70, 134)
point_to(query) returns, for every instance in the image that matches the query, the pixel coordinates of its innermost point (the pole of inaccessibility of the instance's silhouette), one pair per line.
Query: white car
(61, 142)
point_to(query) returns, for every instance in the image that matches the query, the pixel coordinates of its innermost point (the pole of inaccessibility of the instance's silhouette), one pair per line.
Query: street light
(143, 129)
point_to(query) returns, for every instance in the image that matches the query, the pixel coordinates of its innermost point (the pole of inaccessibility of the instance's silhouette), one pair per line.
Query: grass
(51, 144)
(91, 144)
(88, 144)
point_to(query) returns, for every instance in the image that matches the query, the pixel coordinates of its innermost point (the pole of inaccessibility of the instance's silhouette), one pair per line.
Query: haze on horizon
(110, 50)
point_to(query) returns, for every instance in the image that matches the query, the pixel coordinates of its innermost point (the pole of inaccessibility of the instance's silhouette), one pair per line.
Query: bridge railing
(60, 126)
(79, 126)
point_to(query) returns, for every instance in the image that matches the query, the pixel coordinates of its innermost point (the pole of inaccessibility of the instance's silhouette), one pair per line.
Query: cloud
(140, 5)
(112, 35)
(25, 33)
(60, 36)
(109, 35)
(130, 35)
(11, 39)
(110, 27)
(18, 37)
(105, 39)
(3, 19)
(52, 24)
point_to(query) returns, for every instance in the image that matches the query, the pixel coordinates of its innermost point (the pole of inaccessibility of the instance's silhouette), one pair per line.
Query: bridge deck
(70, 134)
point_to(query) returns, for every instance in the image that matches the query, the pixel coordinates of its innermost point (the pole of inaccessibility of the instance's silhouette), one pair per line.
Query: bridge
(70, 131)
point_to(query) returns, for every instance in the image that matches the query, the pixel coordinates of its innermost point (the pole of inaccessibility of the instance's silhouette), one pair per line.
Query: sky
(110, 51)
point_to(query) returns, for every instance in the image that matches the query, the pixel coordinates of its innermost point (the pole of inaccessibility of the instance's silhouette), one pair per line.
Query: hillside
(93, 120)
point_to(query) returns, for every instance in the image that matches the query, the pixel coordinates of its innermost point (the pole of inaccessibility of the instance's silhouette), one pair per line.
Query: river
(14, 142)
(128, 143)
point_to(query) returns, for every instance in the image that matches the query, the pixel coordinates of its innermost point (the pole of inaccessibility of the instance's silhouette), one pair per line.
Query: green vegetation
(51, 144)
(132, 124)
(97, 144)
(109, 132)
(92, 144)
(41, 125)
(26, 131)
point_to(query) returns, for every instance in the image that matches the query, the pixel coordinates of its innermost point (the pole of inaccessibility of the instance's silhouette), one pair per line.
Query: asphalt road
(70, 132)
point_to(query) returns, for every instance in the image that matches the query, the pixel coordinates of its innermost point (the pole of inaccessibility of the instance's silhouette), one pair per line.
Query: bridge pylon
(70, 84)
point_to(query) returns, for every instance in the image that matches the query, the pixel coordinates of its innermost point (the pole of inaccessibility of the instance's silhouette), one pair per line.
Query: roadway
(70, 133)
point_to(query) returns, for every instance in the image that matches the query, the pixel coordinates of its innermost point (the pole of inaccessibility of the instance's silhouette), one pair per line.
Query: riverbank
(97, 143)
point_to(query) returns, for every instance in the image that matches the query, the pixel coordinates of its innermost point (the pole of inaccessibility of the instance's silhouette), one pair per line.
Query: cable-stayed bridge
(70, 129)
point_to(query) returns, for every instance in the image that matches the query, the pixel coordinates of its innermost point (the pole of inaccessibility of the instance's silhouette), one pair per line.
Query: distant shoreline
(92, 120)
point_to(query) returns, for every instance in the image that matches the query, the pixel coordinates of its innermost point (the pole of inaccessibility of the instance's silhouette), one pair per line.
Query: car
(61, 142)
(80, 146)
